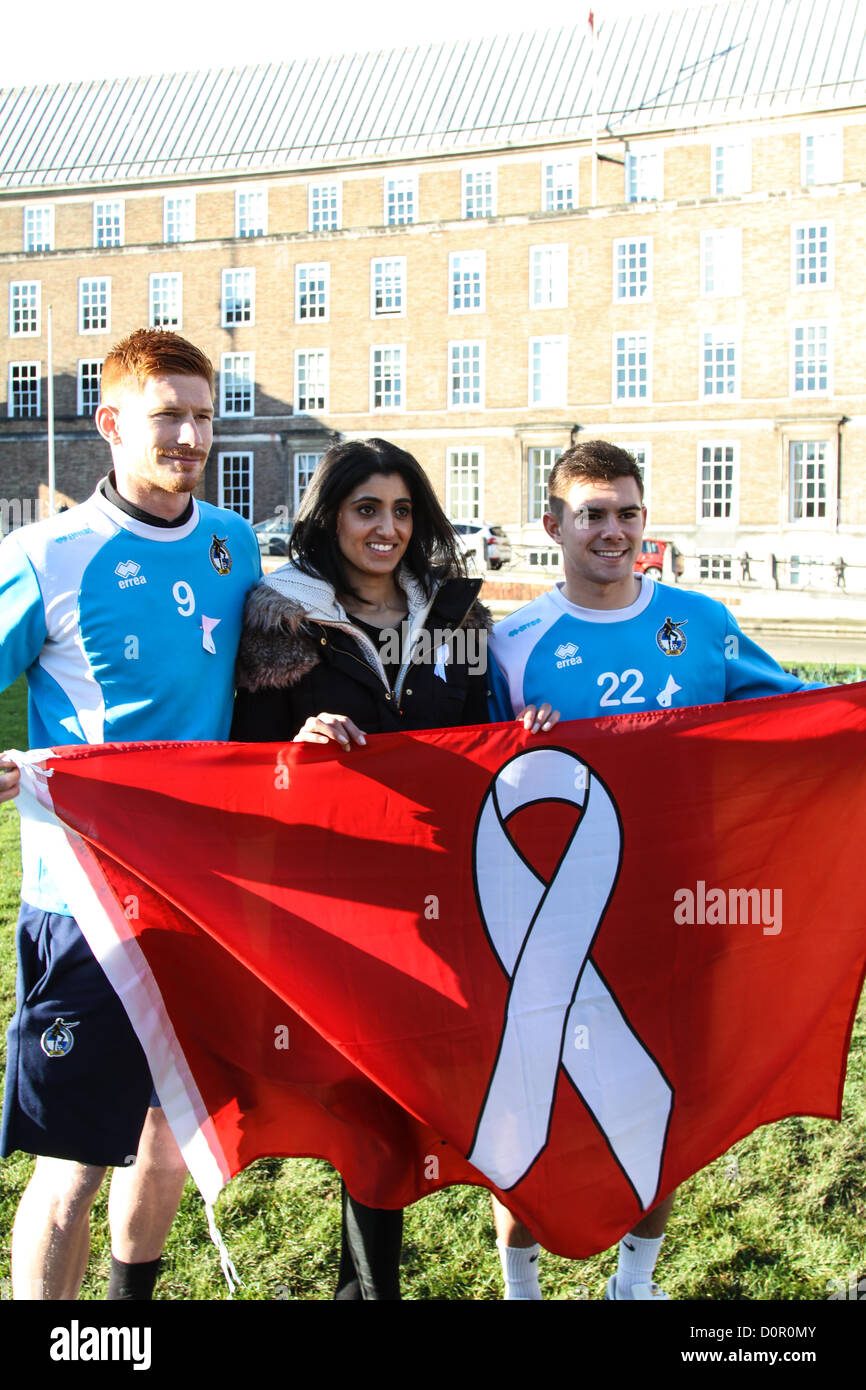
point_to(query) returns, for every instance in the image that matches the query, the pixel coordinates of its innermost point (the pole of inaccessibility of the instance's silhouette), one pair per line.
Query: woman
(327, 656)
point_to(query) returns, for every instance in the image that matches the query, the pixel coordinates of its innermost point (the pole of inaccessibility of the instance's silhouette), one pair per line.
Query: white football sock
(637, 1260)
(520, 1270)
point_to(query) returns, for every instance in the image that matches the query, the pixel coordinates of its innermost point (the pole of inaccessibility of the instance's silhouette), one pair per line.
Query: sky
(189, 35)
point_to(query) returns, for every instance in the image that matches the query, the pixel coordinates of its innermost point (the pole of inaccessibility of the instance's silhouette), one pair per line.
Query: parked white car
(488, 545)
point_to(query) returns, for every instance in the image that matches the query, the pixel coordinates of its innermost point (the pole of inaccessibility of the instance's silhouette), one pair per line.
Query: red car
(652, 556)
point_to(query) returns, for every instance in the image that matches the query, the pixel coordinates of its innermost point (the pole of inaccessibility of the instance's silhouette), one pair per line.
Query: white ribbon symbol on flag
(543, 934)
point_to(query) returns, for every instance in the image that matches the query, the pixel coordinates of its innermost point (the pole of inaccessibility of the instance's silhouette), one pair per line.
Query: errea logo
(515, 631)
(567, 654)
(127, 572)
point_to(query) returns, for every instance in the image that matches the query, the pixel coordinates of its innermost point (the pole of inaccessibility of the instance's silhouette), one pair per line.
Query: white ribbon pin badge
(542, 934)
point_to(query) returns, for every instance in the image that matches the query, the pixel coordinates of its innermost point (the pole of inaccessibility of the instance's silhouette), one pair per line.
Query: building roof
(708, 64)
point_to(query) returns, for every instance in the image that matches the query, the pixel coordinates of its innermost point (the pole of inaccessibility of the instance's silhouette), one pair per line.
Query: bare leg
(518, 1254)
(144, 1198)
(51, 1235)
(509, 1230)
(653, 1225)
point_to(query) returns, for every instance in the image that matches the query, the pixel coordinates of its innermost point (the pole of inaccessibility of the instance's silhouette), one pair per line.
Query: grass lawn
(779, 1217)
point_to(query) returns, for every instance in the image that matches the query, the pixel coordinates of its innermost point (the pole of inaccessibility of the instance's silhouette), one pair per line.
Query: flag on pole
(574, 967)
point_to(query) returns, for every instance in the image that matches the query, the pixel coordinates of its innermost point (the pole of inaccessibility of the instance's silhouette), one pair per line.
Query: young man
(607, 641)
(125, 613)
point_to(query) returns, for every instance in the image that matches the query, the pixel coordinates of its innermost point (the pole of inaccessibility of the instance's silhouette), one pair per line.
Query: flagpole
(594, 79)
(50, 420)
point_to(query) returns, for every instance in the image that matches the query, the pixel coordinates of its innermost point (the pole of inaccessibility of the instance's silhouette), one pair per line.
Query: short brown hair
(152, 352)
(592, 460)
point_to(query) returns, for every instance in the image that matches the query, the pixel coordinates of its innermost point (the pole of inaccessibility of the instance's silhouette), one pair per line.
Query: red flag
(588, 962)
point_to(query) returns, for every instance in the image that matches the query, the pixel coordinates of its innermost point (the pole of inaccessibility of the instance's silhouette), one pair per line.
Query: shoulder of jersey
(522, 618)
(222, 517)
(687, 599)
(65, 528)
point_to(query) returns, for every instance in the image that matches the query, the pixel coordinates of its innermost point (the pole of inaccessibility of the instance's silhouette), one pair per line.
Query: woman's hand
(330, 728)
(540, 719)
(9, 780)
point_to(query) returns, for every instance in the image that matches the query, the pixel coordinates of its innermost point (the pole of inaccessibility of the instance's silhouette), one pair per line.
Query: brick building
(479, 250)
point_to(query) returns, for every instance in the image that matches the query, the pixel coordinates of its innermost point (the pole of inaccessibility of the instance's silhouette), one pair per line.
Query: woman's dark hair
(313, 545)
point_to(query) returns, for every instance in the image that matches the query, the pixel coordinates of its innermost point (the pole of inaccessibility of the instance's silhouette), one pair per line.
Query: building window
(548, 371)
(166, 300)
(632, 366)
(821, 155)
(238, 297)
(236, 483)
(732, 167)
(717, 476)
(39, 227)
(251, 212)
(324, 207)
(721, 263)
(94, 306)
(479, 192)
(466, 278)
(632, 269)
(311, 379)
(388, 287)
(540, 462)
(387, 378)
(811, 359)
(401, 199)
(89, 377)
(720, 363)
(642, 455)
(715, 566)
(178, 217)
(25, 379)
(108, 223)
(237, 383)
(25, 308)
(303, 468)
(311, 291)
(808, 481)
(812, 255)
(560, 185)
(465, 374)
(548, 277)
(463, 469)
(643, 176)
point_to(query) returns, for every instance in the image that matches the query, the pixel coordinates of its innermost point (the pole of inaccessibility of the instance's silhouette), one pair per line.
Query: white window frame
(828, 463)
(625, 277)
(812, 324)
(459, 273)
(478, 182)
(39, 211)
(637, 447)
(632, 399)
(644, 174)
(733, 177)
(714, 337)
(798, 286)
(226, 460)
(241, 217)
(832, 134)
(408, 184)
(35, 376)
(231, 294)
(536, 488)
(458, 505)
(34, 287)
(228, 370)
(384, 281)
(728, 240)
(156, 290)
(712, 566)
(548, 270)
(94, 280)
(93, 362)
(117, 216)
(185, 220)
(556, 372)
(399, 362)
(297, 493)
(560, 184)
(318, 272)
(331, 191)
(457, 357)
(323, 380)
(722, 445)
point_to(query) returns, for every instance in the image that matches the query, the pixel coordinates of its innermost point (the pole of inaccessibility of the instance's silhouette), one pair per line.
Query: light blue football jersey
(670, 648)
(126, 631)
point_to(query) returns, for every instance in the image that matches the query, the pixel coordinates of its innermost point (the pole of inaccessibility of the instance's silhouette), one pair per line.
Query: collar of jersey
(141, 528)
(605, 615)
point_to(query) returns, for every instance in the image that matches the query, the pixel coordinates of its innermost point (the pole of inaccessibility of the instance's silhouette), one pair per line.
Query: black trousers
(369, 1253)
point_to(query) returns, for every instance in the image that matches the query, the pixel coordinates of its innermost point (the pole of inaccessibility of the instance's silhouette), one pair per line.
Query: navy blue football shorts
(77, 1081)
